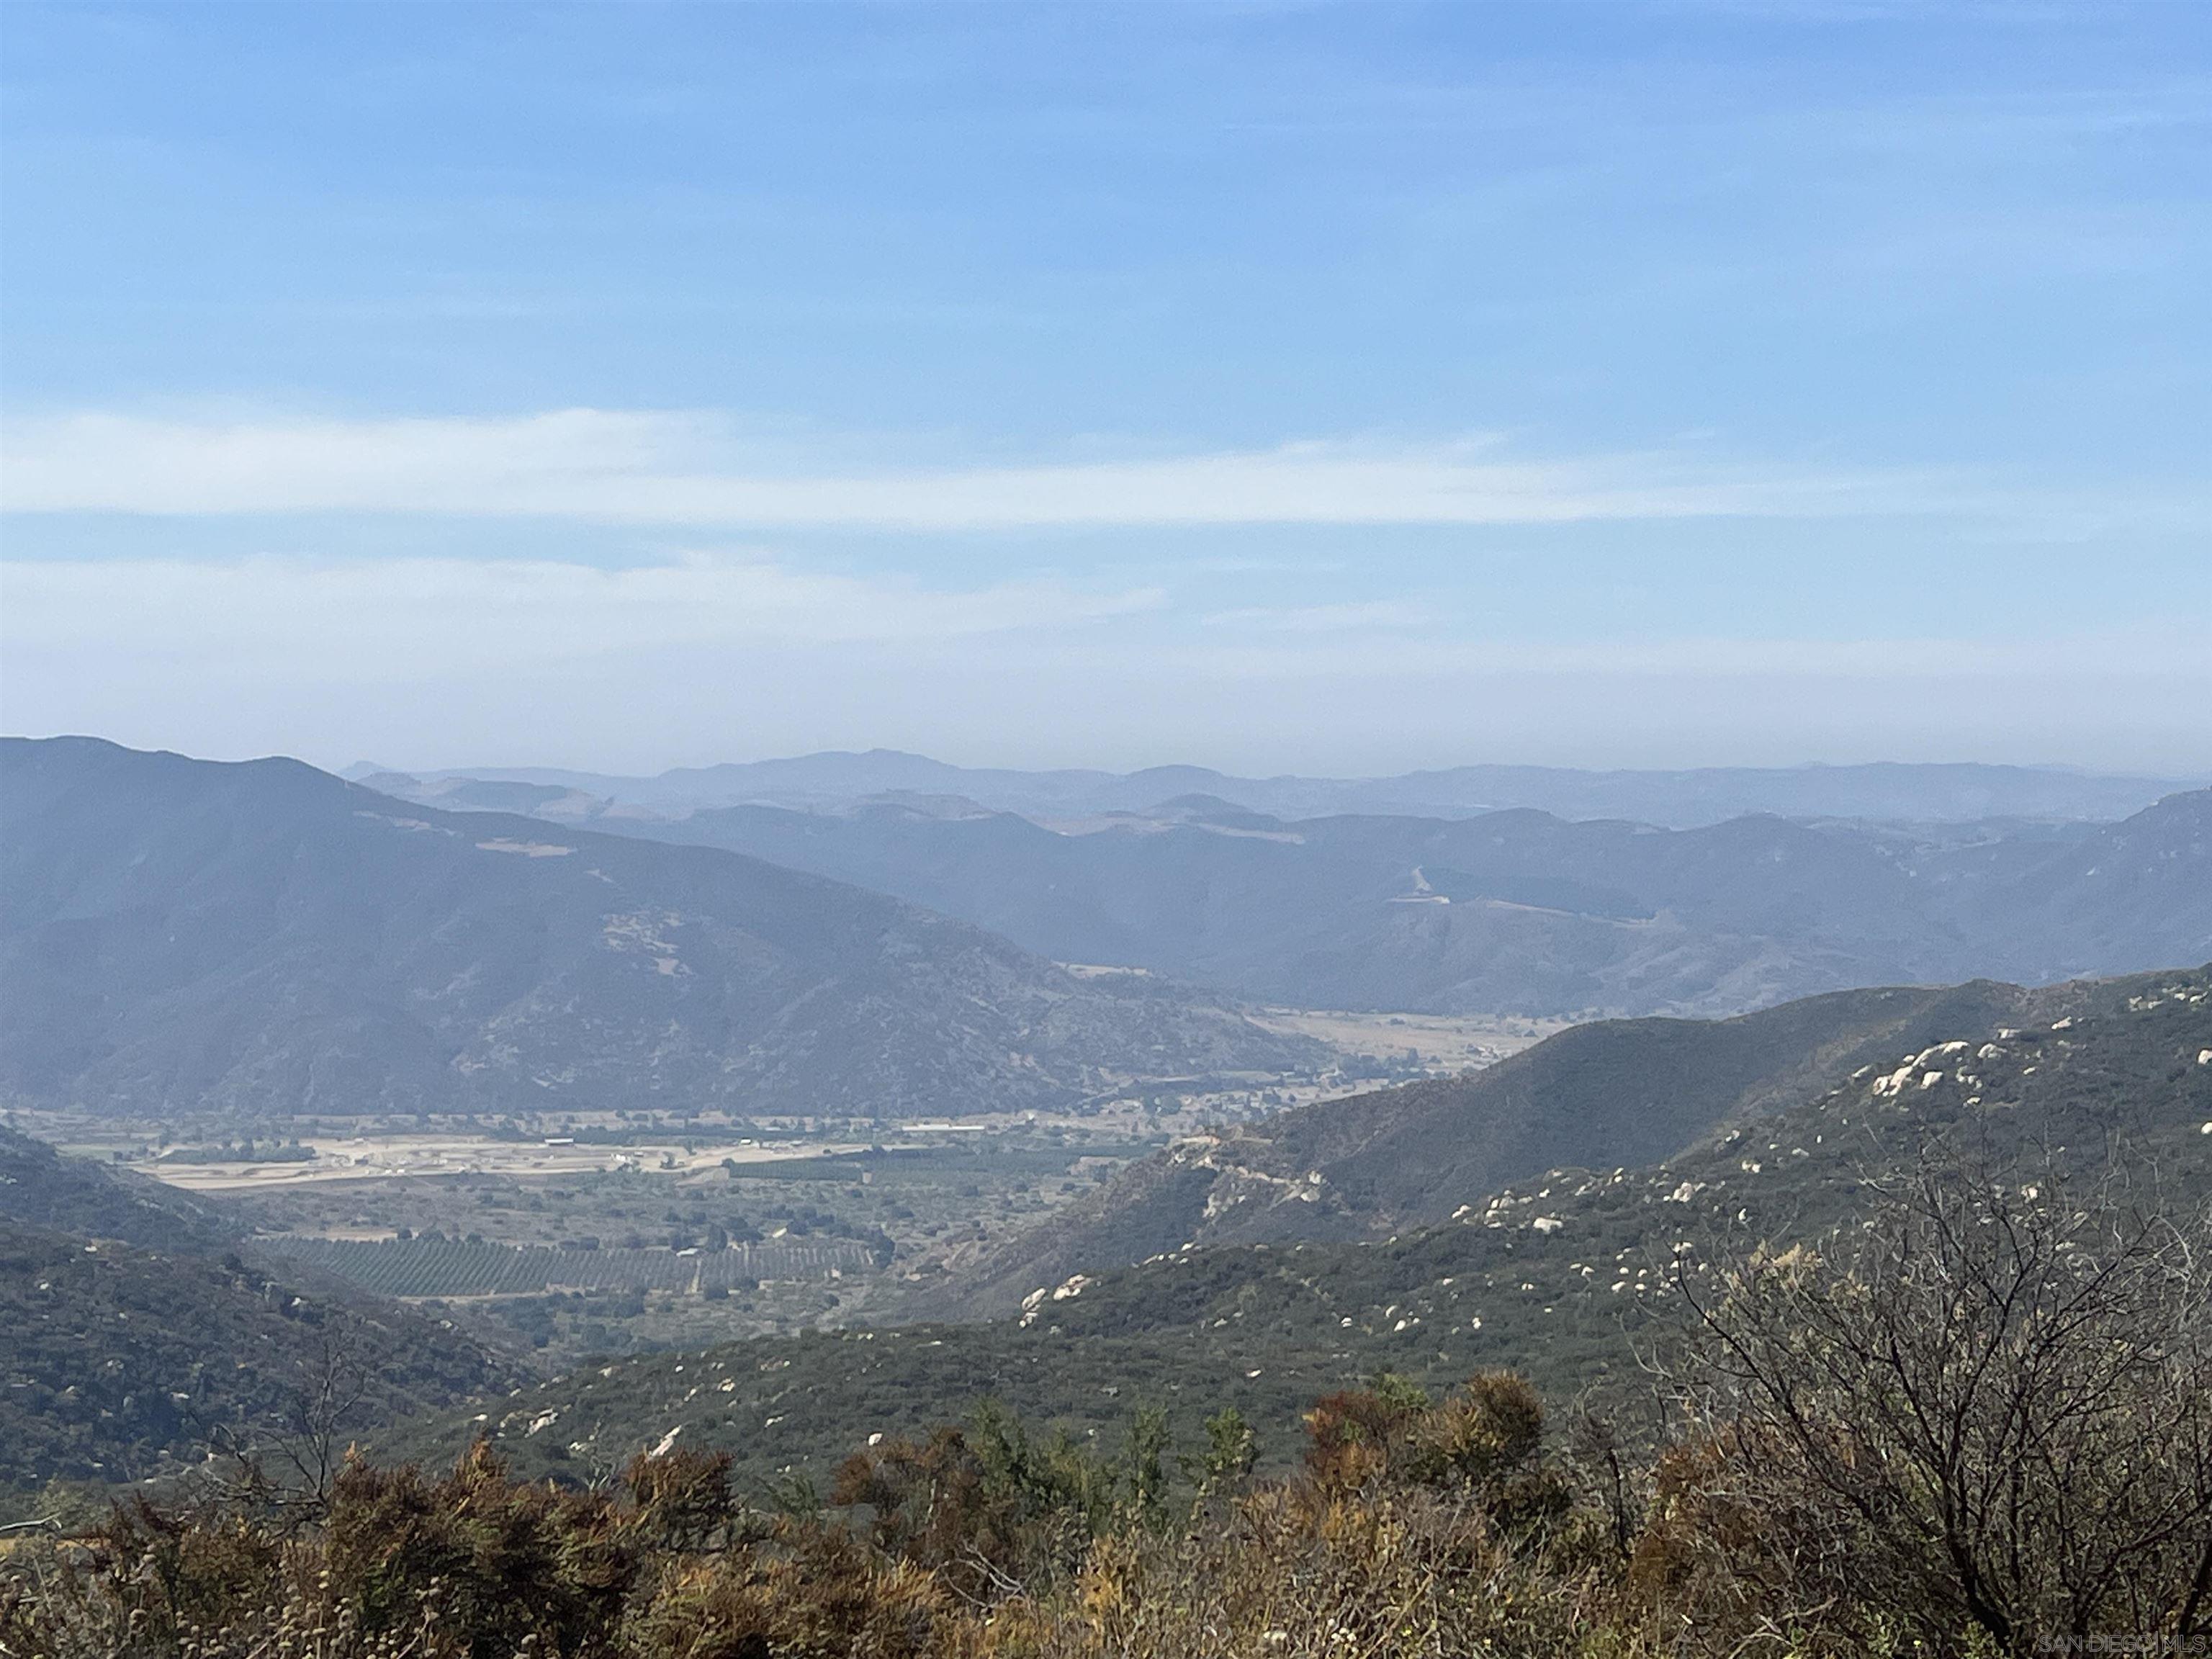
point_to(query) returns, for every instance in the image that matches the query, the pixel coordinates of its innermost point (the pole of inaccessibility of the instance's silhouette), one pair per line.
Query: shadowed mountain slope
(132, 1335)
(118, 1362)
(264, 938)
(39, 1187)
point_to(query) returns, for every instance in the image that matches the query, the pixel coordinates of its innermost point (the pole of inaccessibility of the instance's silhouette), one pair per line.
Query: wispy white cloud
(657, 468)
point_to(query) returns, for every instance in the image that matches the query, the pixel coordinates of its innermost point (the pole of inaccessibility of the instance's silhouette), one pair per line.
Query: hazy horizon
(1336, 390)
(361, 767)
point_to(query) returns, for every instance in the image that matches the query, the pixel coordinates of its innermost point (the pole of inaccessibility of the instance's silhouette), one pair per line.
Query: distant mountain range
(177, 935)
(1519, 911)
(1565, 1273)
(1676, 800)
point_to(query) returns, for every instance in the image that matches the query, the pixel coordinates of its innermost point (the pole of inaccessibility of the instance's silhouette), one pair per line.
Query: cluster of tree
(1981, 1425)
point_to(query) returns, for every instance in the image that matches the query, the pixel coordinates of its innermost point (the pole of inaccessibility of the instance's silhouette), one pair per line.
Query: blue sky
(1320, 388)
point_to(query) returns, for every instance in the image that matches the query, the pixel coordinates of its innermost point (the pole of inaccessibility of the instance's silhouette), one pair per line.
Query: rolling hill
(132, 1335)
(1557, 1275)
(1622, 1092)
(179, 936)
(118, 1364)
(41, 1188)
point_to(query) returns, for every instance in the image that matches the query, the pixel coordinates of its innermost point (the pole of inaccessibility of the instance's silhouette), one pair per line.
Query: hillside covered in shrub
(118, 1363)
(1981, 1425)
(1561, 1277)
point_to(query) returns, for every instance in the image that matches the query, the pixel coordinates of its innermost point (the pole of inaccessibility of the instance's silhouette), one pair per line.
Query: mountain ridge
(261, 936)
(1519, 912)
(1624, 1092)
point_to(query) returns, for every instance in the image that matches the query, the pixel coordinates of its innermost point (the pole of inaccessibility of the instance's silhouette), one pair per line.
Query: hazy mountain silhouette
(1522, 912)
(1933, 794)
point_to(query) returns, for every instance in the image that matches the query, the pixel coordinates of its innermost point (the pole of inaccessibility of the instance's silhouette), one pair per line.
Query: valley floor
(675, 1230)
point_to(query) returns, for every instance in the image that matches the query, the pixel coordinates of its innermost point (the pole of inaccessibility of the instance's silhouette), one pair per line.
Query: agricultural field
(634, 1256)
(558, 1237)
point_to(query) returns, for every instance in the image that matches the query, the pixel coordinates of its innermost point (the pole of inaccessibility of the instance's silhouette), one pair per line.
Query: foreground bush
(1453, 1532)
(1982, 1427)
(1991, 1413)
